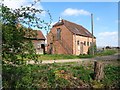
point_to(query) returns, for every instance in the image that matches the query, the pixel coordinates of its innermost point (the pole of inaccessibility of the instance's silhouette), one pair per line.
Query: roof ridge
(72, 22)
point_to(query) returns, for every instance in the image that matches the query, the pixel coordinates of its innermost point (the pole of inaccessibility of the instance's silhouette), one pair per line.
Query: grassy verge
(56, 57)
(61, 56)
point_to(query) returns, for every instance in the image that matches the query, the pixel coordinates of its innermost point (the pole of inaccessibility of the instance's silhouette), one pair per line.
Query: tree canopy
(16, 50)
(15, 24)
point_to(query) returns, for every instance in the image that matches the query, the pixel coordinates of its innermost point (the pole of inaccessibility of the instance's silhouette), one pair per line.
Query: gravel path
(61, 61)
(108, 58)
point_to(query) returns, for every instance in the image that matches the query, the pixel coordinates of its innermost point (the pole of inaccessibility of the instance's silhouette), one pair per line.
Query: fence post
(98, 70)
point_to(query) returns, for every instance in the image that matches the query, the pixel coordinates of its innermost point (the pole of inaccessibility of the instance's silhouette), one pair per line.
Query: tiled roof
(74, 28)
(35, 34)
(40, 35)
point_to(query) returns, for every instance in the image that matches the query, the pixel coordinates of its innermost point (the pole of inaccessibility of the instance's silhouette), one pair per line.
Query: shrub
(90, 50)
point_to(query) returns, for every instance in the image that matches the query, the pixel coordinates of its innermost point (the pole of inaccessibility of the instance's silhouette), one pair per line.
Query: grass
(67, 75)
(107, 52)
(56, 57)
(62, 56)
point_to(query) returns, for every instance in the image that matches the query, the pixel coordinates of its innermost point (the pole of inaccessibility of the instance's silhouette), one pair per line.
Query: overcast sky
(105, 16)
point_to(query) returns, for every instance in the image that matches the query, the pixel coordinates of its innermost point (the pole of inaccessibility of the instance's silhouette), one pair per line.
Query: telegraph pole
(92, 34)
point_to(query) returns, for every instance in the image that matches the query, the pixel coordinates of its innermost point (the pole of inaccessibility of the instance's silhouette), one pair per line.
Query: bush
(90, 50)
(17, 77)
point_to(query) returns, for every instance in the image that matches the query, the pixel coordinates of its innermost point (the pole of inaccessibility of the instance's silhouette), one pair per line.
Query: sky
(105, 16)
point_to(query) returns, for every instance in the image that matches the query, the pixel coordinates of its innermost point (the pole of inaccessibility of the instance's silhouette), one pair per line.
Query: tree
(15, 46)
(13, 22)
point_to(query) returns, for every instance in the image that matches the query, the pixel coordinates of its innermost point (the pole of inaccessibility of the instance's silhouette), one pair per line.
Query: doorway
(43, 47)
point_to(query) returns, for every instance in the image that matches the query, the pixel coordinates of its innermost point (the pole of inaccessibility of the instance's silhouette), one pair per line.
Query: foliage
(106, 52)
(112, 76)
(97, 84)
(83, 73)
(62, 56)
(15, 25)
(86, 56)
(56, 56)
(17, 74)
(67, 75)
(17, 77)
(15, 48)
(90, 49)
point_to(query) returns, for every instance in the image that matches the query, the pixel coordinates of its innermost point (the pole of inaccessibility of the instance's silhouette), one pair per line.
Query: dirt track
(106, 58)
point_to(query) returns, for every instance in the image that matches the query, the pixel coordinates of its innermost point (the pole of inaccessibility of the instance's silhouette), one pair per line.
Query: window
(58, 34)
(85, 43)
(90, 43)
(78, 42)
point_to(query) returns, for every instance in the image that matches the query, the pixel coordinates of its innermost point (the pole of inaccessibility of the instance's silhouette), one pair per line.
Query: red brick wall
(66, 39)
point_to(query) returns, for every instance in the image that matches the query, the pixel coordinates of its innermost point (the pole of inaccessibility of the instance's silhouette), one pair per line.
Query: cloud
(105, 34)
(17, 4)
(97, 18)
(74, 12)
(107, 38)
(14, 4)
